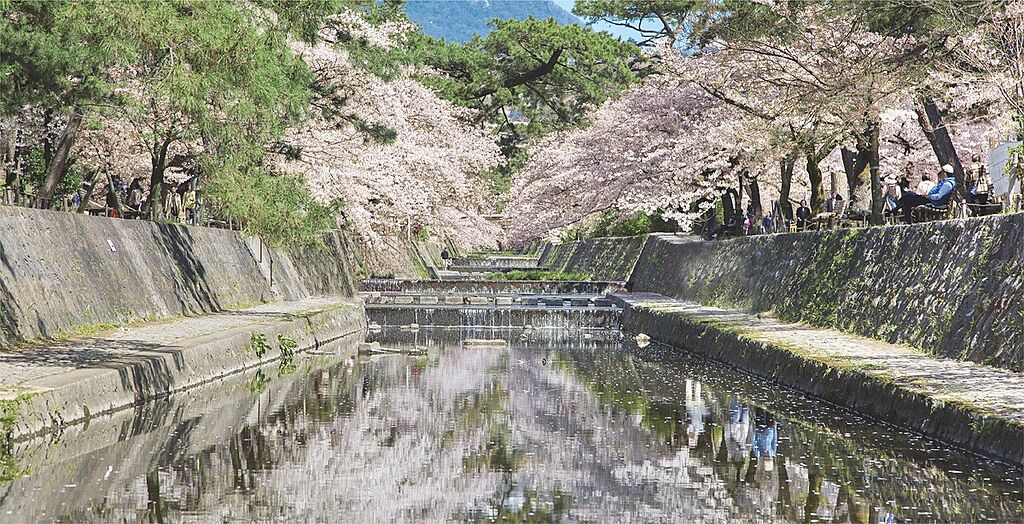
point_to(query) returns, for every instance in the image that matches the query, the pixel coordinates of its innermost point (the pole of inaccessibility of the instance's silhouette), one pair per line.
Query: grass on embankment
(537, 274)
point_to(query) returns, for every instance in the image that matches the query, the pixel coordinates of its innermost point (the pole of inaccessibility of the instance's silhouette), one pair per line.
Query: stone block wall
(953, 288)
(64, 272)
(608, 259)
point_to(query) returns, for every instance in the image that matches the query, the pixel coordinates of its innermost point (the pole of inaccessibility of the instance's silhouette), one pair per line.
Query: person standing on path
(172, 203)
(978, 181)
(803, 215)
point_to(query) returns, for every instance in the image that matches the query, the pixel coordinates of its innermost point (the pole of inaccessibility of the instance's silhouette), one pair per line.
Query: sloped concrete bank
(152, 361)
(135, 441)
(988, 424)
(62, 273)
(952, 288)
(192, 303)
(609, 259)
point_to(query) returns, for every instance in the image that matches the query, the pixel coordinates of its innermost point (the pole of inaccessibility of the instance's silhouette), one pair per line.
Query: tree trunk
(60, 160)
(118, 205)
(787, 164)
(814, 173)
(877, 198)
(739, 199)
(47, 139)
(6, 153)
(856, 164)
(930, 119)
(156, 181)
(755, 195)
(90, 179)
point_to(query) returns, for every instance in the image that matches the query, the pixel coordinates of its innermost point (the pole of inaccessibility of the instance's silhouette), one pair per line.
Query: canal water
(561, 425)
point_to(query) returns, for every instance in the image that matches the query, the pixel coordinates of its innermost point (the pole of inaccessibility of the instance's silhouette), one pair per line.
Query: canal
(565, 424)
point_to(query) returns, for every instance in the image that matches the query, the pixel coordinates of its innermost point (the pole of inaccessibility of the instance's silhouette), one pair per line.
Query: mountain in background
(459, 20)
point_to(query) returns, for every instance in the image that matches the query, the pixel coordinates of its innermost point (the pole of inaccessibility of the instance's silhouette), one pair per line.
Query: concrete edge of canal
(68, 398)
(864, 390)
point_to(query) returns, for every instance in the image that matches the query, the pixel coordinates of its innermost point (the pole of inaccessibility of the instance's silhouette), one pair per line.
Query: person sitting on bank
(926, 184)
(978, 182)
(893, 192)
(938, 196)
(803, 215)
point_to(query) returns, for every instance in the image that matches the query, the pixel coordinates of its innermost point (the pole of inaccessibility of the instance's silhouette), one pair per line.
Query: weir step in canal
(497, 310)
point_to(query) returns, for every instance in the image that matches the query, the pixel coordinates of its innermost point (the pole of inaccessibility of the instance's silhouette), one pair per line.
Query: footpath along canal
(483, 401)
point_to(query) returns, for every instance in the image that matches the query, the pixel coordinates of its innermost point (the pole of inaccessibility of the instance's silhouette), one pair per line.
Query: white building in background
(998, 165)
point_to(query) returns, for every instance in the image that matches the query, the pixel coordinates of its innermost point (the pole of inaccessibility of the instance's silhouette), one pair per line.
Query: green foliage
(259, 383)
(278, 208)
(529, 77)
(258, 343)
(50, 55)
(612, 224)
(304, 18)
(537, 274)
(288, 347)
(9, 468)
(217, 73)
(653, 19)
(35, 170)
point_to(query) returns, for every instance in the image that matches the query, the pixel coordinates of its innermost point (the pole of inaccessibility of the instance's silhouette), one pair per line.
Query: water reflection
(562, 426)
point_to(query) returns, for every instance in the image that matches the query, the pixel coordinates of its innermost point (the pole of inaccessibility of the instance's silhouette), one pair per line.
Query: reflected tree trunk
(155, 507)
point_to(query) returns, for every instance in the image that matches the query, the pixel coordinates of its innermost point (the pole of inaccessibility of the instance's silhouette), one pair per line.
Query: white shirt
(925, 186)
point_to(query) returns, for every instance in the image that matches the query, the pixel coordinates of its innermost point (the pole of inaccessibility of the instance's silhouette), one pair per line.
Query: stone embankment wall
(953, 288)
(608, 259)
(62, 273)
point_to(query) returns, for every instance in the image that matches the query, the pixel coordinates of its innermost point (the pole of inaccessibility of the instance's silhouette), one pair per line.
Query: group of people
(899, 197)
(934, 192)
(179, 200)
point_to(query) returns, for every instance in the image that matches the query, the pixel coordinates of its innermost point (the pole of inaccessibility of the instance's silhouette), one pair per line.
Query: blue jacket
(940, 194)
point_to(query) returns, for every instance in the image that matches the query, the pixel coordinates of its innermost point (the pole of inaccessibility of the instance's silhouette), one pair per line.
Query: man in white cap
(937, 195)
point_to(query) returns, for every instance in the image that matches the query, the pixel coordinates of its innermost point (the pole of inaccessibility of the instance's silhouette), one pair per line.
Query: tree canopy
(533, 76)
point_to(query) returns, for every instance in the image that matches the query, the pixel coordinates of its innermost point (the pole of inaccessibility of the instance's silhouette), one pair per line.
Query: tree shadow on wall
(8, 312)
(190, 285)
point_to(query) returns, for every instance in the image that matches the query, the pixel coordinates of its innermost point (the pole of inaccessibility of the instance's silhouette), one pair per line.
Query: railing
(14, 198)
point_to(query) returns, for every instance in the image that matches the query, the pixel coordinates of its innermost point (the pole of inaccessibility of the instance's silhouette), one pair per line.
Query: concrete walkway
(976, 389)
(61, 382)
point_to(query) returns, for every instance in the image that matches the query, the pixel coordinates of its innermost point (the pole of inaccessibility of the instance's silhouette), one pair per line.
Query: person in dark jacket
(803, 215)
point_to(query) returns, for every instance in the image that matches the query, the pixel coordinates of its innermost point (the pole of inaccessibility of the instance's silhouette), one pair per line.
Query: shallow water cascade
(562, 425)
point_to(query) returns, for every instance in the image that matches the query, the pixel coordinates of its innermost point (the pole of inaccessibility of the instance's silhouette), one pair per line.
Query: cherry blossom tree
(424, 176)
(666, 146)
